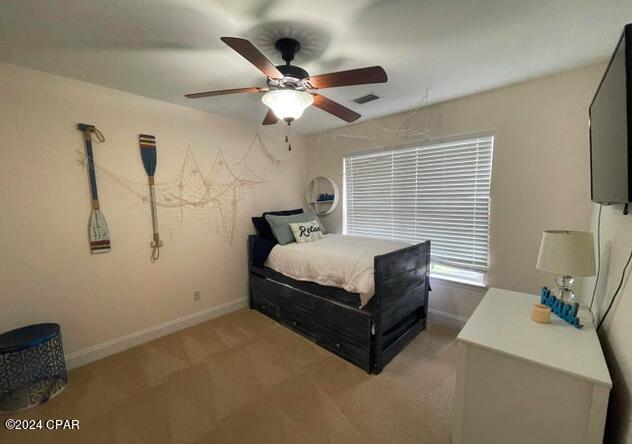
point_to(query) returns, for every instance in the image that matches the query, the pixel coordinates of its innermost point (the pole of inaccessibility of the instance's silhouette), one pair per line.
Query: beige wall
(616, 336)
(540, 177)
(46, 270)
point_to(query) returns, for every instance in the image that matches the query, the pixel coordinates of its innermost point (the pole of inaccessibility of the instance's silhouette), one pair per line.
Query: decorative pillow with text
(306, 231)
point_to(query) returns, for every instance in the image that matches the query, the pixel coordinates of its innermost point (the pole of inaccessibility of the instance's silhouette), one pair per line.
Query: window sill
(451, 280)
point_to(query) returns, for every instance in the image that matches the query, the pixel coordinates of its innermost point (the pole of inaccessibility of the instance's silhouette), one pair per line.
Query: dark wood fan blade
(270, 118)
(221, 92)
(250, 52)
(361, 76)
(335, 108)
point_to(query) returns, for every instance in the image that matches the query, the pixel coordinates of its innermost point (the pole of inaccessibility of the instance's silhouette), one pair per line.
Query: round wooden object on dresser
(541, 313)
(322, 195)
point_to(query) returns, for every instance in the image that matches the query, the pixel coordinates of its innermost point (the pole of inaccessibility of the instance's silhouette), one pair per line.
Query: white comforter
(336, 260)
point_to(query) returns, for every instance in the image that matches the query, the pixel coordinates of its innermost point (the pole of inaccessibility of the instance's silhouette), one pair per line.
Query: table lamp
(567, 254)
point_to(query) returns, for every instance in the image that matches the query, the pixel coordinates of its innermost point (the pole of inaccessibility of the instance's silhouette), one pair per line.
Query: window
(436, 191)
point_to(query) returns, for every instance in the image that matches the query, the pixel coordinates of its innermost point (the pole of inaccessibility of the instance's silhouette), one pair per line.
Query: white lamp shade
(287, 104)
(569, 253)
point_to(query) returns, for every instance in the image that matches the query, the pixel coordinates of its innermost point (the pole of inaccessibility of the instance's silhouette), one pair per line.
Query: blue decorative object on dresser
(32, 366)
(567, 311)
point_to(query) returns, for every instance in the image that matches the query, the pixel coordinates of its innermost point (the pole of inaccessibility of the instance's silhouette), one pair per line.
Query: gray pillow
(322, 227)
(281, 225)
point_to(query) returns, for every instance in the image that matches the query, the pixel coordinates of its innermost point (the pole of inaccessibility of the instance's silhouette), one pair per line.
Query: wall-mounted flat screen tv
(611, 129)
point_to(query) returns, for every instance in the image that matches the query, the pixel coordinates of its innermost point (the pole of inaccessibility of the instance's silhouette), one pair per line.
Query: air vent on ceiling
(366, 99)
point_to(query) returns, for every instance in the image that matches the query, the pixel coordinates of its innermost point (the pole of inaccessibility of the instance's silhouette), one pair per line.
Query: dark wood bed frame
(368, 337)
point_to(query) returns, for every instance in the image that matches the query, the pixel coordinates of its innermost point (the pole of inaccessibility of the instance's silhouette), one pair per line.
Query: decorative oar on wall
(97, 227)
(148, 154)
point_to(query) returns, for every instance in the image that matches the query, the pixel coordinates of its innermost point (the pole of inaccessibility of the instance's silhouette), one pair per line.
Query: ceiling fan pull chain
(288, 137)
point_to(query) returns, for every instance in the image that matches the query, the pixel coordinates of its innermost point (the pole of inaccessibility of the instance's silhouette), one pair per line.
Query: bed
(381, 309)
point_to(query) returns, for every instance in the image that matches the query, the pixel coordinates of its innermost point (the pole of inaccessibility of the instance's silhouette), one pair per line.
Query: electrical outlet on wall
(196, 295)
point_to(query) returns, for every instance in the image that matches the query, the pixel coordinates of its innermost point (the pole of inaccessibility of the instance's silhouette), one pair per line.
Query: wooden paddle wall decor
(149, 156)
(97, 227)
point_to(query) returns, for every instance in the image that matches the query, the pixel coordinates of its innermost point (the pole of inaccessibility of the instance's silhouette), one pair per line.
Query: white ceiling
(164, 49)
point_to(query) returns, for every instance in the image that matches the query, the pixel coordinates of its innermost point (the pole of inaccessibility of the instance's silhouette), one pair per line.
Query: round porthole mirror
(322, 195)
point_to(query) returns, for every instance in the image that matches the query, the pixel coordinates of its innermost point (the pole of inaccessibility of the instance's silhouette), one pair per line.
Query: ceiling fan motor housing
(288, 48)
(293, 71)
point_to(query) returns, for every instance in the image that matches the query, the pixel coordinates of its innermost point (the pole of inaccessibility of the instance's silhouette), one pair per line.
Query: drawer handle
(337, 344)
(264, 306)
(294, 323)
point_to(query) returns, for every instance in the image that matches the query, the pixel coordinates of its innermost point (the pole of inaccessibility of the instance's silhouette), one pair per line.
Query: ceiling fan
(290, 89)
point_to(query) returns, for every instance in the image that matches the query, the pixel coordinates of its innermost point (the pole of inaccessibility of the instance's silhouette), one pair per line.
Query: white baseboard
(98, 351)
(446, 319)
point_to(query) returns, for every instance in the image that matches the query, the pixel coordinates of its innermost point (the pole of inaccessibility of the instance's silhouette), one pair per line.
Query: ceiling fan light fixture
(287, 104)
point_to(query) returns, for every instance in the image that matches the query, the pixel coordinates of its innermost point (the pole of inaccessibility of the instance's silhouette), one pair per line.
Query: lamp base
(564, 289)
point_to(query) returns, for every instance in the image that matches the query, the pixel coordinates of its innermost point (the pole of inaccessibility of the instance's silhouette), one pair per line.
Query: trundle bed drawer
(348, 321)
(353, 349)
(283, 304)
(266, 306)
(298, 320)
(281, 293)
(345, 331)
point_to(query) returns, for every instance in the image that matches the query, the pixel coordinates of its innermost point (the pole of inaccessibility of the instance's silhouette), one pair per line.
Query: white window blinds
(438, 191)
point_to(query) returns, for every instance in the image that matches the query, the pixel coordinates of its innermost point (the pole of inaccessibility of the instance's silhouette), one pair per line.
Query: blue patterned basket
(32, 366)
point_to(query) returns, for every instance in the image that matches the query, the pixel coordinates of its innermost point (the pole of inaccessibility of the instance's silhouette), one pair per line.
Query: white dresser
(523, 382)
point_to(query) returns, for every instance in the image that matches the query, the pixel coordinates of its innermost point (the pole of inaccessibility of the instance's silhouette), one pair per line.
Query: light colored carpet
(243, 378)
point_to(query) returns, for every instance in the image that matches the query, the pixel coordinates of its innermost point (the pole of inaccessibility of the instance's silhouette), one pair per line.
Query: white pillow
(306, 231)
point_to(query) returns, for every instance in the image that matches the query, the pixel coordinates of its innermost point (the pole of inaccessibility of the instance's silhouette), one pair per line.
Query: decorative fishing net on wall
(417, 125)
(210, 196)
